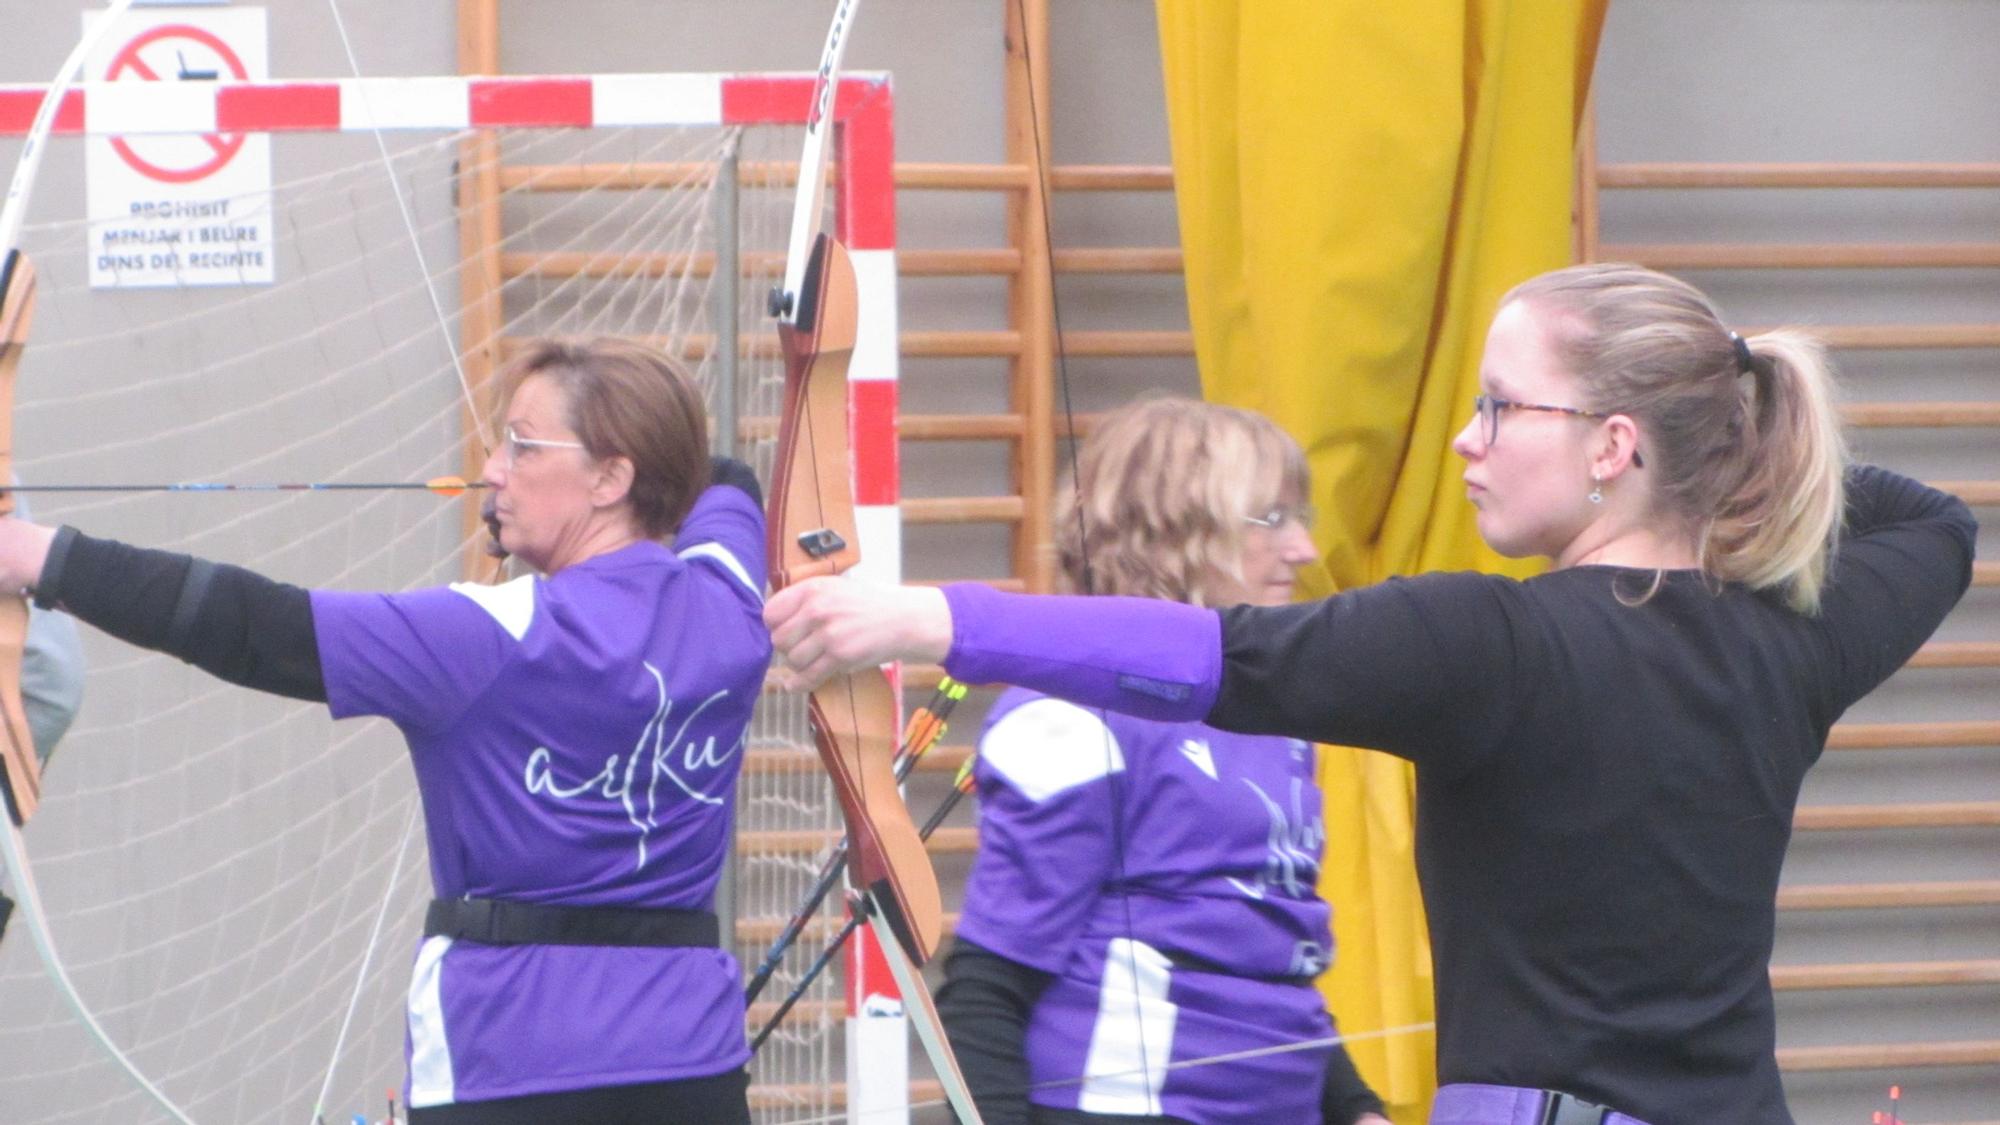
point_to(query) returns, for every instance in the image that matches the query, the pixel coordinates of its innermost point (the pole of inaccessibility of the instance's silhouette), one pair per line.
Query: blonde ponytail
(1778, 526)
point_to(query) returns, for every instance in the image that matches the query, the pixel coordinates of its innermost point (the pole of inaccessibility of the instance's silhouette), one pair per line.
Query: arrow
(443, 486)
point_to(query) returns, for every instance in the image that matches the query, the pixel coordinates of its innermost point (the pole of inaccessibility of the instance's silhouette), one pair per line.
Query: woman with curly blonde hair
(1144, 893)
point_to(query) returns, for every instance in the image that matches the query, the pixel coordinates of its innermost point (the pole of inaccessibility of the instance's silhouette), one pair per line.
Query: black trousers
(718, 1100)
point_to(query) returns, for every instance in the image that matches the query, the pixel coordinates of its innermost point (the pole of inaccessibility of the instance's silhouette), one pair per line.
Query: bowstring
(367, 959)
(1184, 1064)
(13, 841)
(416, 241)
(479, 423)
(825, 97)
(480, 419)
(1114, 795)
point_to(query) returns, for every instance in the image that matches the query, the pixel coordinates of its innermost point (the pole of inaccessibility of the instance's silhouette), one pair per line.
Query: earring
(1596, 489)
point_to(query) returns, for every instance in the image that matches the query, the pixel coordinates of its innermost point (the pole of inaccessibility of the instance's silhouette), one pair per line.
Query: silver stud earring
(1596, 489)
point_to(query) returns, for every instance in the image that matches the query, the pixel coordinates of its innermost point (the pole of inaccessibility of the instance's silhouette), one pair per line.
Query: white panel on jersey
(716, 552)
(431, 1081)
(512, 604)
(1046, 746)
(1133, 1039)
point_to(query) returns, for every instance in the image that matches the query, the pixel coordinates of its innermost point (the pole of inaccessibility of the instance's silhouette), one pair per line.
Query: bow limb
(1023, 33)
(22, 773)
(812, 534)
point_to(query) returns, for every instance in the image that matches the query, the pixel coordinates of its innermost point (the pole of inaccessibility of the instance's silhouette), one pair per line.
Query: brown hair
(627, 400)
(1165, 486)
(1743, 445)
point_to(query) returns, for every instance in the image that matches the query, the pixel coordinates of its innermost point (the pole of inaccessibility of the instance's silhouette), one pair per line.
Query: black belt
(500, 922)
(1204, 965)
(1559, 1108)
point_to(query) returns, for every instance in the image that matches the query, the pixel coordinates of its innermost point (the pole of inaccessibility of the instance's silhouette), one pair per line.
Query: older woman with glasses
(1144, 893)
(1608, 755)
(576, 735)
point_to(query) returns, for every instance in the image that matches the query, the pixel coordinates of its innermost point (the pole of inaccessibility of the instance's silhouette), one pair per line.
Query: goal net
(234, 882)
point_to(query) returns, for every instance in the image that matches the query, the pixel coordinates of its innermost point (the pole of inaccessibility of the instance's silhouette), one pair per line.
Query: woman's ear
(1617, 449)
(612, 482)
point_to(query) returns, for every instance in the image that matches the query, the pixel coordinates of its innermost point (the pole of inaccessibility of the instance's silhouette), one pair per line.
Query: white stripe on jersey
(1134, 1035)
(512, 604)
(431, 1081)
(720, 554)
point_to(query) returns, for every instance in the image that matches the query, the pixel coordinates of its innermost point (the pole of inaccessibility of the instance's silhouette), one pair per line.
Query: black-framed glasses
(1489, 409)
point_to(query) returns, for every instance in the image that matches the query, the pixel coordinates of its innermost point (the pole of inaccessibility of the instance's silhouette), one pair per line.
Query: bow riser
(23, 773)
(809, 484)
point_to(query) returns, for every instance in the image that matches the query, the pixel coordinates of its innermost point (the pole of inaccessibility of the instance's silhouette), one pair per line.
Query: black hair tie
(1745, 362)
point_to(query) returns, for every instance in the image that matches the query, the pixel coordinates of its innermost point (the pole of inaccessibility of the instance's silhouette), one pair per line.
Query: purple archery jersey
(577, 740)
(1165, 874)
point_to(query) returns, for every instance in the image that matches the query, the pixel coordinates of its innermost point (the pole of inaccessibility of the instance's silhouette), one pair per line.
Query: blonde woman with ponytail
(1608, 755)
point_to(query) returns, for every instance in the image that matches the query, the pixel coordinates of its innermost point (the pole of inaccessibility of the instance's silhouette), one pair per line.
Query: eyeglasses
(514, 445)
(1279, 516)
(1489, 409)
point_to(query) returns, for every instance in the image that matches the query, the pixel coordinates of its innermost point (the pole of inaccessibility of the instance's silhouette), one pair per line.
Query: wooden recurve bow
(854, 717)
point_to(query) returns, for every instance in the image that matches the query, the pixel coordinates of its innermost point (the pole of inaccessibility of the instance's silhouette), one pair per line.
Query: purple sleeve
(726, 527)
(1045, 847)
(416, 658)
(1137, 656)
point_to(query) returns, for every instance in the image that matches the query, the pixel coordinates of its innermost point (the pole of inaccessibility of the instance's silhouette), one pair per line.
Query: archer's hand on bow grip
(826, 627)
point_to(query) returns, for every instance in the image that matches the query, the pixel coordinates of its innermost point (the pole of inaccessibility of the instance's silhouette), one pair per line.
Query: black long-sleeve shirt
(1605, 788)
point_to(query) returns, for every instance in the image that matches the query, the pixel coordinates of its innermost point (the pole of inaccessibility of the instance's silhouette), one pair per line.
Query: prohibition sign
(224, 147)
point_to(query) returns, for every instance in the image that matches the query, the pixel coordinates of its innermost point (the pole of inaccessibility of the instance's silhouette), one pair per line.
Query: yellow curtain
(1358, 183)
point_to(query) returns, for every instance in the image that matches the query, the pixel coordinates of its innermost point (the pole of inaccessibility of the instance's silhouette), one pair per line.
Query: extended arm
(228, 621)
(1410, 666)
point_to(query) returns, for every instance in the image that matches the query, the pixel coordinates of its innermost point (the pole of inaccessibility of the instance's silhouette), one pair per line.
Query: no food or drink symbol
(177, 52)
